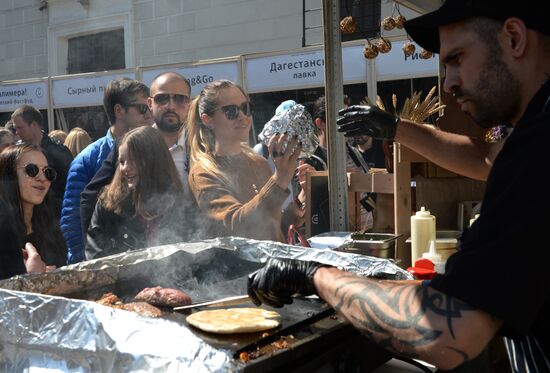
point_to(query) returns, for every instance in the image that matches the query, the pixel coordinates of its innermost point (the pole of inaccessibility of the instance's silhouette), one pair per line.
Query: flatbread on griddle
(234, 320)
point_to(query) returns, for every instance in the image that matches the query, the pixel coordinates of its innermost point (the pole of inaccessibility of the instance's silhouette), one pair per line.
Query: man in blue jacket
(125, 102)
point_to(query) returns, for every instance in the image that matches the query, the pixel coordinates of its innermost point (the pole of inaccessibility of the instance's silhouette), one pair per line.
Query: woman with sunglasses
(144, 205)
(26, 216)
(232, 184)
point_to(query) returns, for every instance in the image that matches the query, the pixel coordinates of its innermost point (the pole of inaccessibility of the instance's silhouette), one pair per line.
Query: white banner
(394, 65)
(301, 69)
(14, 95)
(83, 91)
(355, 65)
(200, 75)
(284, 71)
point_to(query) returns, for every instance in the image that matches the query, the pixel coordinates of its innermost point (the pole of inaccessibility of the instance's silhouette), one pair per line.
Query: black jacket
(52, 249)
(11, 256)
(88, 197)
(110, 233)
(319, 159)
(50, 245)
(60, 158)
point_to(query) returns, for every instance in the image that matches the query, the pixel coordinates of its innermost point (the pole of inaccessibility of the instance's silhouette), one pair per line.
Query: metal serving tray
(381, 245)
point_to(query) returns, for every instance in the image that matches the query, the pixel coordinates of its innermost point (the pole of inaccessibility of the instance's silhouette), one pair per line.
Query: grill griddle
(213, 275)
(301, 313)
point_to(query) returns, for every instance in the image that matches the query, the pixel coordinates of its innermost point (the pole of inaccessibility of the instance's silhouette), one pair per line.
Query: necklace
(250, 166)
(231, 164)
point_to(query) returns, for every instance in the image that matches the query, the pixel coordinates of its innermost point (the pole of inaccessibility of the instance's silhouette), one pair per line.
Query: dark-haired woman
(27, 225)
(145, 204)
(233, 185)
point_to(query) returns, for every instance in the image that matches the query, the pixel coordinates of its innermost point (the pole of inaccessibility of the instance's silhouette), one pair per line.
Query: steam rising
(207, 275)
(213, 289)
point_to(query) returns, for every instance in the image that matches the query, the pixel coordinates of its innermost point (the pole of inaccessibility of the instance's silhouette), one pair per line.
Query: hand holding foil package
(295, 121)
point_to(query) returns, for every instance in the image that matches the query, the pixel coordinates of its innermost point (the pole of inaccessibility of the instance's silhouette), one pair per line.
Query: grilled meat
(109, 299)
(142, 308)
(164, 297)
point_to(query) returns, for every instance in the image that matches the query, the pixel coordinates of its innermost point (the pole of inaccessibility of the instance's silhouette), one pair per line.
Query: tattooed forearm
(394, 313)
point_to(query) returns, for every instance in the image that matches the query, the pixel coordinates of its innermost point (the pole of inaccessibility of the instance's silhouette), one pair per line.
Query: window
(96, 52)
(92, 119)
(6, 117)
(366, 14)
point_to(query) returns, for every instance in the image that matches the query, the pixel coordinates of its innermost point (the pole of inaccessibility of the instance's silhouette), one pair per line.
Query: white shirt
(179, 154)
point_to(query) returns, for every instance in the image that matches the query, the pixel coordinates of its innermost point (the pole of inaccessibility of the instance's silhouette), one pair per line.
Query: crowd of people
(173, 168)
(169, 169)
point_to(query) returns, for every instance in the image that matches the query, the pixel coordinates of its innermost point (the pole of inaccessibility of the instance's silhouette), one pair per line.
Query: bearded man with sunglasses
(125, 102)
(169, 102)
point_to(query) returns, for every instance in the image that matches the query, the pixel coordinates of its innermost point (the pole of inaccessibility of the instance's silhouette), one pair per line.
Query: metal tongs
(229, 301)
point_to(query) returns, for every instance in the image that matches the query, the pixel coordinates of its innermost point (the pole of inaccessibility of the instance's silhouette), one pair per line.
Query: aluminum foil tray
(42, 330)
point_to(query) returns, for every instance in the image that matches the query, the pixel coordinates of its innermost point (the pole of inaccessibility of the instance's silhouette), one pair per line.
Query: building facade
(61, 38)
(40, 38)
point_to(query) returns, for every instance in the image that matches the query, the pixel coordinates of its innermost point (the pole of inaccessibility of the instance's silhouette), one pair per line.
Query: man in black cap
(497, 65)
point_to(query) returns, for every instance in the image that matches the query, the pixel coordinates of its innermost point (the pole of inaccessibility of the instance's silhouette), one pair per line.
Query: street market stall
(52, 320)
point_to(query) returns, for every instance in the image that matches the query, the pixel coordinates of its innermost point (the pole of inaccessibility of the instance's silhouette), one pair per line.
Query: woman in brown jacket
(234, 186)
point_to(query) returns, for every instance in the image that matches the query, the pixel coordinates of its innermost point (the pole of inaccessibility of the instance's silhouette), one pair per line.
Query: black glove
(280, 279)
(367, 120)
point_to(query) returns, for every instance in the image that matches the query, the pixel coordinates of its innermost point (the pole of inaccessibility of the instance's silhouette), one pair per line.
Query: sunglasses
(178, 99)
(32, 170)
(141, 108)
(232, 111)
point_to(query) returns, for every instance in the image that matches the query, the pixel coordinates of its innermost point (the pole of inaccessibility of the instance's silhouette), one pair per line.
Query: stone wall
(22, 40)
(171, 31)
(33, 42)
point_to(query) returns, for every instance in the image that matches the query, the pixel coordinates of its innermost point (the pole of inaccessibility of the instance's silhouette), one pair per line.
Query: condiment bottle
(422, 232)
(435, 258)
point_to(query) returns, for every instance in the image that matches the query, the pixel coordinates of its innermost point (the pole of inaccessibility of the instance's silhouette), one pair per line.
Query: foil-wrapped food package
(295, 121)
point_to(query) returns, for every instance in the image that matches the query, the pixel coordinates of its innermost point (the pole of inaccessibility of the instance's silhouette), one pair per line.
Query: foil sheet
(295, 121)
(41, 332)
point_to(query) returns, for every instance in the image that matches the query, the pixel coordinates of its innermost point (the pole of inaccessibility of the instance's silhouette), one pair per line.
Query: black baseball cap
(424, 30)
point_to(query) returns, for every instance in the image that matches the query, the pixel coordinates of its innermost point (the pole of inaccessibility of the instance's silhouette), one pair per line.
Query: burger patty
(166, 297)
(142, 308)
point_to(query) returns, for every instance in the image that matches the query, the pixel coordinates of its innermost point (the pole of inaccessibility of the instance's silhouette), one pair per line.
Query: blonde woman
(233, 185)
(77, 140)
(58, 135)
